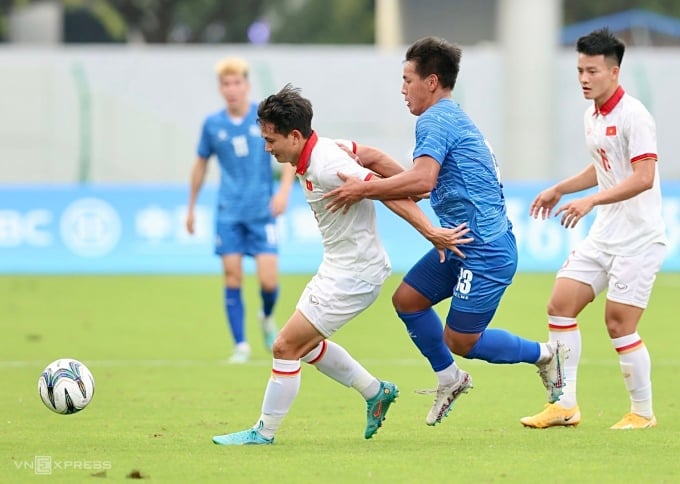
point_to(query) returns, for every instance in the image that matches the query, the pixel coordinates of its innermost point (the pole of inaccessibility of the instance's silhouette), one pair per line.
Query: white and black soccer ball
(66, 386)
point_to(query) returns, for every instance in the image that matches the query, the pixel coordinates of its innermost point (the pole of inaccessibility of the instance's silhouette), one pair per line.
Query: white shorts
(629, 278)
(330, 301)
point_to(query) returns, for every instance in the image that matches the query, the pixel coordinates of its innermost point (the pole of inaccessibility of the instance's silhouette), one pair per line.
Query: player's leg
(482, 281)
(631, 280)
(581, 278)
(233, 305)
(296, 338)
(262, 243)
(427, 283)
(327, 312)
(230, 246)
(267, 273)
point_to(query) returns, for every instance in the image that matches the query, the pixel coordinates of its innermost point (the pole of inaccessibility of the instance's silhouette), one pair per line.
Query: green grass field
(157, 347)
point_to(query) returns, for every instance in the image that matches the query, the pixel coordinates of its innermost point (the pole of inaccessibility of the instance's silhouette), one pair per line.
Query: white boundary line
(406, 362)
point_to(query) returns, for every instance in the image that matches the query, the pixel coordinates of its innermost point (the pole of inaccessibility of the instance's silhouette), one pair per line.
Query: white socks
(636, 368)
(283, 386)
(566, 331)
(633, 359)
(335, 362)
(448, 375)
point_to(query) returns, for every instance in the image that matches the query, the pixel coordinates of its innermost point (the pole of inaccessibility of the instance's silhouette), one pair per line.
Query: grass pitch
(157, 347)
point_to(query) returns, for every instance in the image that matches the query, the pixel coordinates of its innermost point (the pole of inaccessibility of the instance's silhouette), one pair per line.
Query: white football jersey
(618, 134)
(350, 240)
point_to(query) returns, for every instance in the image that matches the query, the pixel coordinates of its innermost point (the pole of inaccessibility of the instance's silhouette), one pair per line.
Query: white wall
(143, 107)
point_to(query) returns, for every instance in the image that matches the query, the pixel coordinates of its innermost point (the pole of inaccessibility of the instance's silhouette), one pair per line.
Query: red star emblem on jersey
(611, 131)
(309, 186)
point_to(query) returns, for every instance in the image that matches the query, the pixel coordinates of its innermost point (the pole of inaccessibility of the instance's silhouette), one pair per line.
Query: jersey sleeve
(642, 136)
(204, 149)
(429, 139)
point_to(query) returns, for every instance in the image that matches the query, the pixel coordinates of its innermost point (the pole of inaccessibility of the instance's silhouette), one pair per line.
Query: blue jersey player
(452, 162)
(247, 205)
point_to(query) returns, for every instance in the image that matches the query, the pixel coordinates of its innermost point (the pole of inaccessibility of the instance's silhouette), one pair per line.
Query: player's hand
(278, 204)
(346, 194)
(544, 203)
(190, 222)
(443, 238)
(574, 211)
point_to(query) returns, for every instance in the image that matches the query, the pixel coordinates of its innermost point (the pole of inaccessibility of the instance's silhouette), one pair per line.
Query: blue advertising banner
(139, 229)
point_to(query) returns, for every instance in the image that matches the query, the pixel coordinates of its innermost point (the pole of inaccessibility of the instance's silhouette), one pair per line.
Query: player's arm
(378, 161)
(546, 201)
(579, 182)
(279, 201)
(198, 173)
(440, 237)
(420, 178)
(640, 180)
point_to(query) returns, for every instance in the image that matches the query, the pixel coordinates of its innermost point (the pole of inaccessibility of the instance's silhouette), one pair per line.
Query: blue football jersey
(246, 177)
(468, 187)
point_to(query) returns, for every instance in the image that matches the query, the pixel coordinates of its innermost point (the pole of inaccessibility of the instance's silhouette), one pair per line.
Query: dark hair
(432, 55)
(287, 110)
(602, 42)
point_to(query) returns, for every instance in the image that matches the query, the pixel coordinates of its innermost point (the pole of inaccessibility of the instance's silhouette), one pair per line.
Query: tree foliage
(326, 22)
(579, 10)
(291, 21)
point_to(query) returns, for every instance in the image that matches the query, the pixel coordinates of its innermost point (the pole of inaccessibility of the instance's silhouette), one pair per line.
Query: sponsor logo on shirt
(611, 131)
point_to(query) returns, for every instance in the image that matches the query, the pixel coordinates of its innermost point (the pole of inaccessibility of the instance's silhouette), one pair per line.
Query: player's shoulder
(328, 154)
(214, 117)
(446, 105)
(631, 103)
(444, 112)
(634, 113)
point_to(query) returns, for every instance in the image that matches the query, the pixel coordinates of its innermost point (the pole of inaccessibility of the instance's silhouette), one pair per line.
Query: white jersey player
(349, 278)
(626, 245)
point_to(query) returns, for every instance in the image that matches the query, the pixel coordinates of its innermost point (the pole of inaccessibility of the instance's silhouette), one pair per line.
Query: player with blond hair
(247, 205)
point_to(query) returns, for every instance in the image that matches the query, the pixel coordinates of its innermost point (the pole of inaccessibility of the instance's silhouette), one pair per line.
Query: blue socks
(268, 301)
(427, 333)
(501, 346)
(494, 345)
(233, 306)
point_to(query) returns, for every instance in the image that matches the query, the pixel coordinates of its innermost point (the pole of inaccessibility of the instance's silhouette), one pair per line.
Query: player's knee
(459, 348)
(407, 300)
(565, 309)
(281, 350)
(460, 344)
(284, 349)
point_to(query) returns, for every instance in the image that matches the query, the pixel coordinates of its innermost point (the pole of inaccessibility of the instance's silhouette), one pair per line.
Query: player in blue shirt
(247, 206)
(452, 162)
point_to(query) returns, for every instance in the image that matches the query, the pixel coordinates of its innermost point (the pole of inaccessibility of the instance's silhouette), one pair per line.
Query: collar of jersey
(303, 161)
(610, 103)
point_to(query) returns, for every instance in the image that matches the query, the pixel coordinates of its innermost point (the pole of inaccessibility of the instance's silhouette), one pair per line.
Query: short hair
(602, 42)
(232, 65)
(286, 111)
(433, 55)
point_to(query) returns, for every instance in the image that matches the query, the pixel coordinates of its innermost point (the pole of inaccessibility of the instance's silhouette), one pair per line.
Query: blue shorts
(246, 238)
(475, 284)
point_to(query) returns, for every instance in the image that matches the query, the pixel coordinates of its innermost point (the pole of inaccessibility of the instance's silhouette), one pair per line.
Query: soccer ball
(66, 386)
